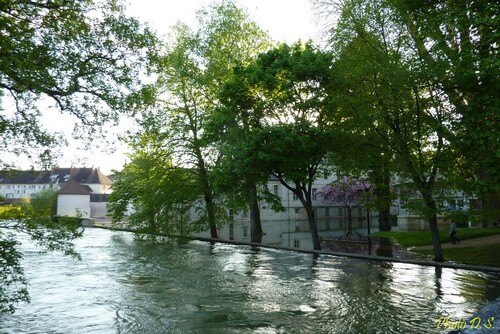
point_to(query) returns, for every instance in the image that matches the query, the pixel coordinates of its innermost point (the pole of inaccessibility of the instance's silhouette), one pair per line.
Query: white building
(72, 184)
(74, 200)
(290, 228)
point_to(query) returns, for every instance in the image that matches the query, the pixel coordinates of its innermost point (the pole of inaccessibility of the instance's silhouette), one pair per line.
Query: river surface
(126, 286)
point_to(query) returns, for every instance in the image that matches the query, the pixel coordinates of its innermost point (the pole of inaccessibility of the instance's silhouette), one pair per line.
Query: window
(297, 210)
(296, 243)
(341, 212)
(327, 212)
(314, 194)
(231, 231)
(245, 231)
(327, 225)
(295, 197)
(275, 189)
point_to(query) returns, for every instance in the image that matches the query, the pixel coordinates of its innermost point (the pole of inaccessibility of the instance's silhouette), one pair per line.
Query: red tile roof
(75, 188)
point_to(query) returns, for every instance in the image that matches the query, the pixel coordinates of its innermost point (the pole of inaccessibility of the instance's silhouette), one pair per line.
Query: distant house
(16, 184)
(74, 200)
(72, 185)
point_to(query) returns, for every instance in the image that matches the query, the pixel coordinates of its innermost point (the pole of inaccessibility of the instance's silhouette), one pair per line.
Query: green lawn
(482, 255)
(423, 238)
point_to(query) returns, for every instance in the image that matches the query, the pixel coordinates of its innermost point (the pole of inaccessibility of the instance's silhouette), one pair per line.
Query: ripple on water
(125, 286)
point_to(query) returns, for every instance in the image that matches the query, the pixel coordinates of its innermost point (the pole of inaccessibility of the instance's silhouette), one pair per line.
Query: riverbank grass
(486, 255)
(481, 255)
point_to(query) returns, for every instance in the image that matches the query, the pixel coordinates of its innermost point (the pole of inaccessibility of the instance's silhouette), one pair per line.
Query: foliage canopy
(79, 57)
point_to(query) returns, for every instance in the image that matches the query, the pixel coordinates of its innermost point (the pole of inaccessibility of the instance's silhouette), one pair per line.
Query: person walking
(453, 232)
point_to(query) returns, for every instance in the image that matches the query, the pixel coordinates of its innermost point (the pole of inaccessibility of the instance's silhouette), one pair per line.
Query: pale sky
(285, 20)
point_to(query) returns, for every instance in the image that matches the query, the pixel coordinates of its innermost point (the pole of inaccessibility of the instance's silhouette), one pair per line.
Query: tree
(236, 176)
(80, 57)
(345, 192)
(457, 49)
(295, 155)
(274, 114)
(378, 74)
(452, 52)
(191, 73)
(35, 218)
(150, 195)
(243, 185)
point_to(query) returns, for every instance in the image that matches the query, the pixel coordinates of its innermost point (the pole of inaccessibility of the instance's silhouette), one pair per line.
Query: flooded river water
(126, 286)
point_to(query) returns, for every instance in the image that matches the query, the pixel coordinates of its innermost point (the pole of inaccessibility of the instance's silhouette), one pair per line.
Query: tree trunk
(314, 228)
(490, 209)
(382, 193)
(207, 194)
(349, 221)
(436, 241)
(384, 219)
(211, 216)
(257, 232)
(305, 198)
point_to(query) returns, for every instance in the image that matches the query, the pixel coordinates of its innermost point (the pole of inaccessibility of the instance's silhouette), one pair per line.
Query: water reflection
(125, 286)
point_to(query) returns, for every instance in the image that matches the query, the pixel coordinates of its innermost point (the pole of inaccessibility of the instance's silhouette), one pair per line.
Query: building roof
(75, 188)
(21, 177)
(82, 175)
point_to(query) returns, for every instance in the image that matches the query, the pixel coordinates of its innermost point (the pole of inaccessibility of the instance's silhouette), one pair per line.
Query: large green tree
(195, 65)
(151, 195)
(451, 47)
(457, 50)
(274, 112)
(392, 104)
(295, 154)
(237, 177)
(79, 57)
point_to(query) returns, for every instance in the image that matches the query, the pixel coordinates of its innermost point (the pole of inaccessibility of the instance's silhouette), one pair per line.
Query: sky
(285, 20)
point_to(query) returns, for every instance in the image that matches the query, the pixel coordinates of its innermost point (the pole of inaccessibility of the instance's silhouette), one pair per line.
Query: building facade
(290, 228)
(81, 191)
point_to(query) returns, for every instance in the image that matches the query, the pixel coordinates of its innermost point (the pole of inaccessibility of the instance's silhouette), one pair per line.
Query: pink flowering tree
(346, 192)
